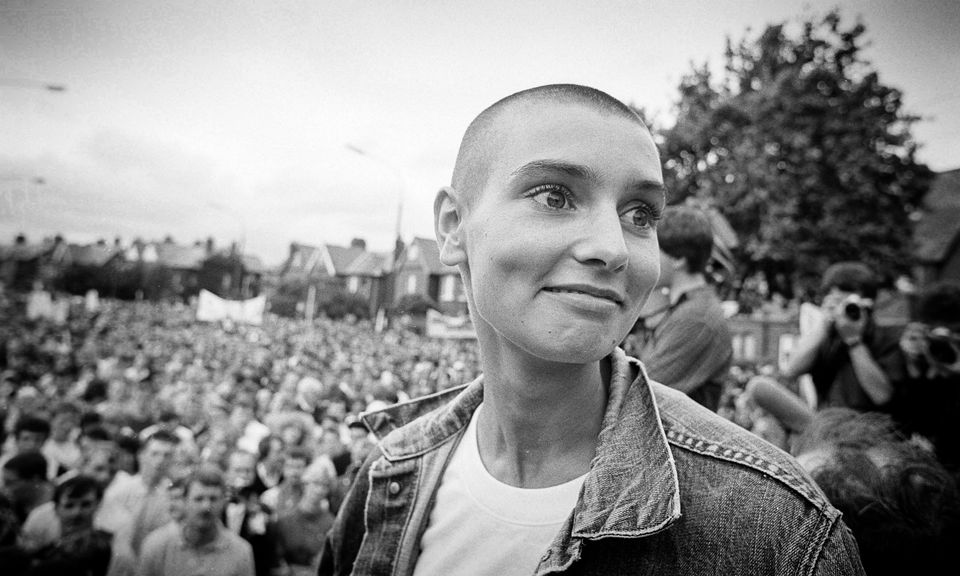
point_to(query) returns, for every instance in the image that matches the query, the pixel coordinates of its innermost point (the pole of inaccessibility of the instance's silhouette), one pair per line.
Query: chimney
(358, 243)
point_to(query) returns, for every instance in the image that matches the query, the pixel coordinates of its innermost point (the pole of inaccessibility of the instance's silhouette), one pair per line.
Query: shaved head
(480, 141)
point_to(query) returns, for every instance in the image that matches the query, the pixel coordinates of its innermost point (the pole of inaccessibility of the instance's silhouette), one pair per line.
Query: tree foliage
(802, 148)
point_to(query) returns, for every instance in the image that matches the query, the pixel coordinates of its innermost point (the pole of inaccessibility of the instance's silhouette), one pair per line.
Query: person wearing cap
(845, 352)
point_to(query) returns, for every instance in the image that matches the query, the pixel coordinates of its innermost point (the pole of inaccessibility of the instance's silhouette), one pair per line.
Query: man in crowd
(201, 545)
(25, 482)
(846, 353)
(245, 514)
(285, 495)
(144, 495)
(29, 435)
(61, 449)
(688, 345)
(79, 547)
(563, 456)
(301, 530)
(43, 527)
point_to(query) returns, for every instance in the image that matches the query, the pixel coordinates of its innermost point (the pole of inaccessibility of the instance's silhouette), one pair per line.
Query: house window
(411, 284)
(353, 284)
(413, 252)
(448, 287)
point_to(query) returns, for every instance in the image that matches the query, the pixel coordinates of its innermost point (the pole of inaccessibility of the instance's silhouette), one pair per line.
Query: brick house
(419, 271)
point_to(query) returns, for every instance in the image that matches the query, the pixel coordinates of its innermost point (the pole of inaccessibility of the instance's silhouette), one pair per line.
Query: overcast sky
(232, 118)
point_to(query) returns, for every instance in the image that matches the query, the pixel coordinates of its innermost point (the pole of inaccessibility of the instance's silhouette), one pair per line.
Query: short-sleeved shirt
(832, 372)
(166, 553)
(692, 348)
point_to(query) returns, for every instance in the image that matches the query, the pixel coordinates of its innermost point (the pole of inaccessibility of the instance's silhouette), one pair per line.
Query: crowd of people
(111, 419)
(137, 440)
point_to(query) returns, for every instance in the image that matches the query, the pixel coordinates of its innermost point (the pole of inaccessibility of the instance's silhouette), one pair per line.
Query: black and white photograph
(463, 288)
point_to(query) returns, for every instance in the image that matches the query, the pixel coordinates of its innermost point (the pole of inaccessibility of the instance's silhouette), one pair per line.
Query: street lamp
(360, 151)
(24, 83)
(396, 266)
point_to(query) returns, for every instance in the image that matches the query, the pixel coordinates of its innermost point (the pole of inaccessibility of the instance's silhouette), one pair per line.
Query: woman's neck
(539, 427)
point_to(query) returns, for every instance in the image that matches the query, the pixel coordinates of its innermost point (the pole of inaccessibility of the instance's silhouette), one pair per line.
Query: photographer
(846, 353)
(926, 397)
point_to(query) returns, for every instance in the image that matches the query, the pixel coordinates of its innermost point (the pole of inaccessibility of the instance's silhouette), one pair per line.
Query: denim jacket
(673, 489)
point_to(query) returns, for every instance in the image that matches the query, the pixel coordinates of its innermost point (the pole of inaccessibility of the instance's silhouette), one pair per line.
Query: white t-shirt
(481, 526)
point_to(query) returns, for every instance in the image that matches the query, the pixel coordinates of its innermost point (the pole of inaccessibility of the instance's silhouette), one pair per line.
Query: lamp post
(25, 83)
(360, 151)
(396, 266)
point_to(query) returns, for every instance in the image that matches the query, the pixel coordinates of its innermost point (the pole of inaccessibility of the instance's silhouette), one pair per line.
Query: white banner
(441, 326)
(212, 308)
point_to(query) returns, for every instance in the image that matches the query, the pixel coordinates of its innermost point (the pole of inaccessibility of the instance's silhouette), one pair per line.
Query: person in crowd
(169, 420)
(61, 448)
(301, 529)
(361, 445)
(285, 495)
(218, 445)
(772, 411)
(94, 438)
(245, 514)
(144, 496)
(688, 344)
(308, 397)
(270, 464)
(128, 451)
(846, 353)
(30, 433)
(79, 547)
(25, 482)
(900, 502)
(332, 446)
(926, 397)
(250, 430)
(201, 545)
(14, 559)
(563, 455)
(42, 526)
(295, 429)
(27, 401)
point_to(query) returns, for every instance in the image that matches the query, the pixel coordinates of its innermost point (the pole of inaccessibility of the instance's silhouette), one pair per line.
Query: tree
(803, 149)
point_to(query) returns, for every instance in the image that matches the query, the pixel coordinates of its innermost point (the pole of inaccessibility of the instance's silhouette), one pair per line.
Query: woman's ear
(447, 220)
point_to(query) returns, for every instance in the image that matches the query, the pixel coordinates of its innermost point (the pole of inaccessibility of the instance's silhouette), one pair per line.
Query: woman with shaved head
(563, 457)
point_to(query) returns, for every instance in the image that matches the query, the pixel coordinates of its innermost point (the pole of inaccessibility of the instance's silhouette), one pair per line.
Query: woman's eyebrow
(538, 167)
(541, 167)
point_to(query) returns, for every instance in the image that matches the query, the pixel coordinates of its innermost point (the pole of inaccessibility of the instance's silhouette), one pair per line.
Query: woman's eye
(551, 196)
(642, 217)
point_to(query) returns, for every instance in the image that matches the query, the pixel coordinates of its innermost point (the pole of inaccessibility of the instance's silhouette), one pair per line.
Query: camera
(854, 307)
(942, 346)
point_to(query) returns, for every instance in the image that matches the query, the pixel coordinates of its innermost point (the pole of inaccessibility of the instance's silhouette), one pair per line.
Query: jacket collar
(632, 487)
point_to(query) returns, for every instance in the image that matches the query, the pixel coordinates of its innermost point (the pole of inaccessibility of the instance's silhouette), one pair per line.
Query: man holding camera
(846, 354)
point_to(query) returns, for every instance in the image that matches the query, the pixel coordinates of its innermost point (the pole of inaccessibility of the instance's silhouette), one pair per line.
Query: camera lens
(852, 311)
(941, 350)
